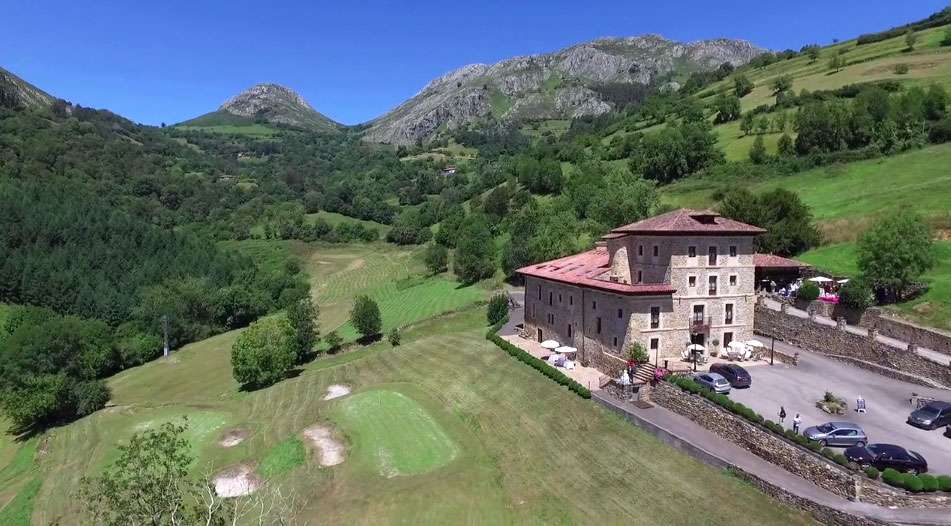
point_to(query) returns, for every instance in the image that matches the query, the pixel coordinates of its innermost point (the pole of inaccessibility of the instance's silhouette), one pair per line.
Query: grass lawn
(473, 437)
(333, 219)
(933, 308)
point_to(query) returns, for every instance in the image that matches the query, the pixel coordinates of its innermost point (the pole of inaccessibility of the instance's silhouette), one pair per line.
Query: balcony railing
(700, 324)
(712, 290)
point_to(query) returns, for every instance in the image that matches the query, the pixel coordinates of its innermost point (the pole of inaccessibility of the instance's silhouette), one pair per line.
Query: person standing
(796, 422)
(782, 414)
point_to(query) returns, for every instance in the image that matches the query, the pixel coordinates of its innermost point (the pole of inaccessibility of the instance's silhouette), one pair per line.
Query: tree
(742, 86)
(334, 341)
(780, 120)
(813, 52)
(637, 353)
(835, 63)
(787, 220)
(781, 87)
(149, 484)
(946, 41)
(748, 123)
(365, 317)
(762, 125)
(894, 254)
(911, 38)
(498, 309)
(302, 315)
(437, 258)
(758, 151)
(809, 291)
(264, 353)
(856, 294)
(727, 108)
(394, 337)
(474, 258)
(785, 146)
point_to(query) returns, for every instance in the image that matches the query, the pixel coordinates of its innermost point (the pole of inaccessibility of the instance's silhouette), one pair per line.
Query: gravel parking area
(798, 388)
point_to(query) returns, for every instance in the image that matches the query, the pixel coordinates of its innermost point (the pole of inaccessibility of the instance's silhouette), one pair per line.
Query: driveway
(798, 388)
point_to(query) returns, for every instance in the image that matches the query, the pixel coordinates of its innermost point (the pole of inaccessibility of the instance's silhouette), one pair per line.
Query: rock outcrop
(276, 104)
(15, 91)
(550, 86)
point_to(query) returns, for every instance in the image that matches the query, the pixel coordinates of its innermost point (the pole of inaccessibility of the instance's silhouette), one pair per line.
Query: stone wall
(756, 440)
(835, 341)
(794, 459)
(905, 331)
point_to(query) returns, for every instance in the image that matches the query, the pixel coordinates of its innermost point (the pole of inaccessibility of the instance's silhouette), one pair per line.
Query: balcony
(712, 290)
(700, 324)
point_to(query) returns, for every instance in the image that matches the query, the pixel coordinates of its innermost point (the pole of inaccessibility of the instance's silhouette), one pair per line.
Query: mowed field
(446, 429)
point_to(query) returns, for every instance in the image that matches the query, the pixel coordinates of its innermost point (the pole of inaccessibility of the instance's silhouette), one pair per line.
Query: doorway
(539, 335)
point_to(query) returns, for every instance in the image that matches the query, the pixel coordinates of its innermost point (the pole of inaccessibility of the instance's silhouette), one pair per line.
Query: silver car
(713, 381)
(842, 434)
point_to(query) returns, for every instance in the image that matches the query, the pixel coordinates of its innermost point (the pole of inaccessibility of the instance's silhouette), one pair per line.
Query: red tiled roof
(586, 270)
(774, 261)
(686, 221)
(614, 235)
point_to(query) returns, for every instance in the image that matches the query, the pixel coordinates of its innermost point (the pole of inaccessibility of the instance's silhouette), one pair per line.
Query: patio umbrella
(843, 281)
(820, 279)
(565, 350)
(755, 343)
(550, 344)
(696, 347)
(737, 346)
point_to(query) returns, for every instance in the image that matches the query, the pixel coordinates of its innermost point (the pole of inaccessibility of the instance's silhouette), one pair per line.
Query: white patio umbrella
(737, 346)
(755, 343)
(843, 281)
(565, 350)
(696, 347)
(820, 279)
(550, 344)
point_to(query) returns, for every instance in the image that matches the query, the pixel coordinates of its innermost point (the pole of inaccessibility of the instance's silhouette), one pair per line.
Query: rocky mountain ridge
(270, 103)
(15, 91)
(558, 85)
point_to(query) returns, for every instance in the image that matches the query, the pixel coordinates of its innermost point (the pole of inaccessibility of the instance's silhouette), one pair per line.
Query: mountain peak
(275, 104)
(18, 92)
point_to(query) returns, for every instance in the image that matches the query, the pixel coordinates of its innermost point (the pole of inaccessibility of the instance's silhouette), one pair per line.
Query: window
(656, 251)
(640, 250)
(692, 252)
(655, 317)
(713, 285)
(539, 292)
(615, 341)
(732, 280)
(728, 314)
(727, 338)
(698, 313)
(638, 276)
(598, 326)
(732, 251)
(569, 330)
(550, 296)
(571, 300)
(691, 281)
(559, 298)
(620, 313)
(712, 256)
(655, 343)
(594, 305)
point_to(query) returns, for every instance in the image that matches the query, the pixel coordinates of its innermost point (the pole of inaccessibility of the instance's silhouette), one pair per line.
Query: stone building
(682, 277)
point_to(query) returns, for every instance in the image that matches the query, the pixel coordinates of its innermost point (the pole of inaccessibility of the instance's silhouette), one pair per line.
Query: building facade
(682, 277)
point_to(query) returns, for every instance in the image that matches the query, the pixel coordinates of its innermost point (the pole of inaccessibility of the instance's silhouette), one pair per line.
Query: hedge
(916, 483)
(871, 472)
(539, 365)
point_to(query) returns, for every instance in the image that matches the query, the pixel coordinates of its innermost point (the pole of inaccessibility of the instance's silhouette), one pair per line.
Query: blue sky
(171, 60)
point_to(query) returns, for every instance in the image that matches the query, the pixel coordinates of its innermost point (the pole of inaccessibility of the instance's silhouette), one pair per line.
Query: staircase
(643, 376)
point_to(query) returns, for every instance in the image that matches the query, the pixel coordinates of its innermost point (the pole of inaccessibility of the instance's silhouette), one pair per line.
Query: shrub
(498, 309)
(912, 483)
(540, 366)
(900, 69)
(840, 459)
(90, 396)
(828, 453)
(928, 482)
(893, 478)
(394, 337)
(871, 472)
(334, 341)
(856, 294)
(808, 292)
(944, 483)
(264, 353)
(437, 258)
(638, 353)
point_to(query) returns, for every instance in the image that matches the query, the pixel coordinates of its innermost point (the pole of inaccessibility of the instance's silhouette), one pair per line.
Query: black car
(947, 431)
(931, 415)
(736, 375)
(883, 456)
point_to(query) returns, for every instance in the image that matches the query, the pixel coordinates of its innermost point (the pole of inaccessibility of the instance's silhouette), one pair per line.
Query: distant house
(450, 169)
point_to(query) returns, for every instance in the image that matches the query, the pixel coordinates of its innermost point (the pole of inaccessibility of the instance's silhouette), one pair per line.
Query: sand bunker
(233, 437)
(236, 481)
(336, 391)
(356, 264)
(330, 450)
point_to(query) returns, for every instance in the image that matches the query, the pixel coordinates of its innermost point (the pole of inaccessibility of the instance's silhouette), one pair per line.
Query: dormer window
(691, 252)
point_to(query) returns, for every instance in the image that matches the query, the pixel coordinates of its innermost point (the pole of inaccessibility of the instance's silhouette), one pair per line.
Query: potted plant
(714, 347)
(832, 404)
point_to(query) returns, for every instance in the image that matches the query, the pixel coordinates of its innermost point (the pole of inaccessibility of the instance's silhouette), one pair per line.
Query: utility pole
(772, 349)
(165, 331)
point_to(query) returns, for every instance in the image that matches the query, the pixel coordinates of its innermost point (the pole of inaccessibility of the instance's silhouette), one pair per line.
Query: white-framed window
(732, 280)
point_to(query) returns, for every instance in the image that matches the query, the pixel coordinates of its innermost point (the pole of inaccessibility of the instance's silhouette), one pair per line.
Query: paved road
(798, 388)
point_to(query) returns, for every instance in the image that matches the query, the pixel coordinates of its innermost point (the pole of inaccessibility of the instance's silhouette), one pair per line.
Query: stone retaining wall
(824, 339)
(794, 459)
(905, 331)
(760, 442)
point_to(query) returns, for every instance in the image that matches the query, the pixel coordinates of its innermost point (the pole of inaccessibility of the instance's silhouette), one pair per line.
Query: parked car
(931, 415)
(714, 382)
(842, 434)
(735, 374)
(883, 456)
(947, 431)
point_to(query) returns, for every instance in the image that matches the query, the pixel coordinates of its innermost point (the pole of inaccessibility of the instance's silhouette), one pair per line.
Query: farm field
(250, 130)
(497, 442)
